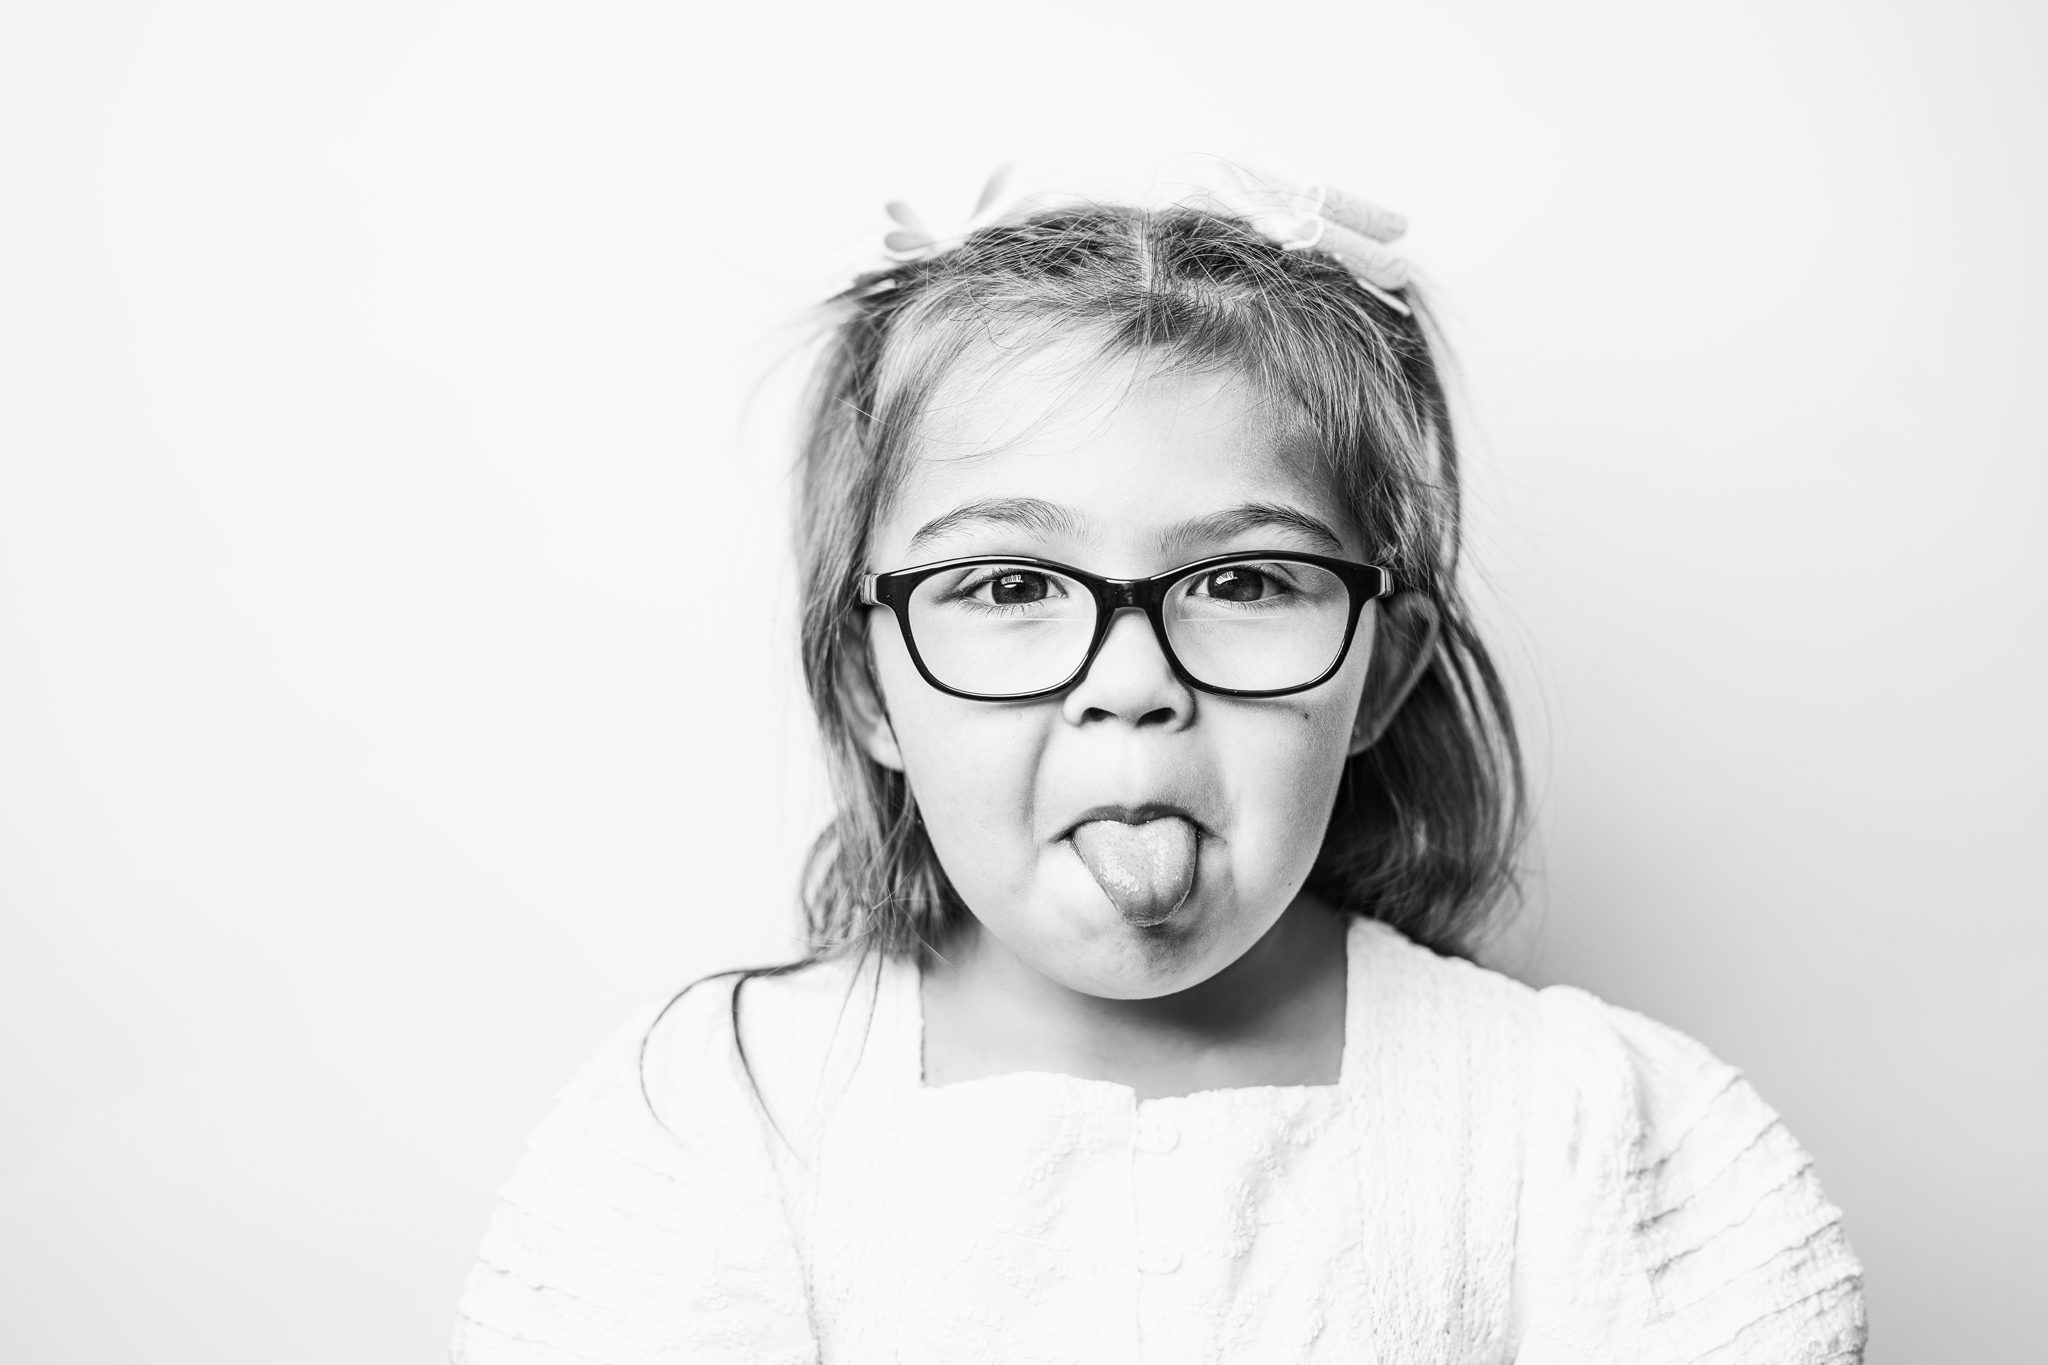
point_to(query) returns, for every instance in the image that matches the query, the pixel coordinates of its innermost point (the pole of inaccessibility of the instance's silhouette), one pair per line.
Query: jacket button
(1159, 1260)
(1157, 1135)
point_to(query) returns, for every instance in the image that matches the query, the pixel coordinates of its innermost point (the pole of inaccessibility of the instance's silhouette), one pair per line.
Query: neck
(1275, 1016)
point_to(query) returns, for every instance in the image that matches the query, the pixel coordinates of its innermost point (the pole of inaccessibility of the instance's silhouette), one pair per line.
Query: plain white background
(396, 679)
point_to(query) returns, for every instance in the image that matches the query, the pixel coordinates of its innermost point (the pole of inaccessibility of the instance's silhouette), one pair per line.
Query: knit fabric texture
(1500, 1174)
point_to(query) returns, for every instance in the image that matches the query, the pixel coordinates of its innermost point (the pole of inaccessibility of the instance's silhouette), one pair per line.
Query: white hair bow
(1295, 218)
(1318, 218)
(911, 240)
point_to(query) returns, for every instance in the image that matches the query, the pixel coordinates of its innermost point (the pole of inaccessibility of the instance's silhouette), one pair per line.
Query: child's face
(1119, 469)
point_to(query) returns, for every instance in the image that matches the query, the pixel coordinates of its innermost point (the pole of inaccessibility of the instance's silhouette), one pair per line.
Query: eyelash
(994, 573)
(1276, 583)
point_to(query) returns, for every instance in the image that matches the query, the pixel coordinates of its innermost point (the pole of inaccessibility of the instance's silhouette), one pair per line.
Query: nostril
(1164, 718)
(1130, 679)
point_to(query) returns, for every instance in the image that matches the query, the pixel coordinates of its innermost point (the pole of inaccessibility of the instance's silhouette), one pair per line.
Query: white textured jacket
(1500, 1175)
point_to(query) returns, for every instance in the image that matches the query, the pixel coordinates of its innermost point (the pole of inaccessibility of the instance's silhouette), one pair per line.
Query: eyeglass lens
(1250, 626)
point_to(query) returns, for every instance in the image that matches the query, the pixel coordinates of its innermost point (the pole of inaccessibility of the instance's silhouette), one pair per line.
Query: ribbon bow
(1318, 217)
(1315, 217)
(911, 240)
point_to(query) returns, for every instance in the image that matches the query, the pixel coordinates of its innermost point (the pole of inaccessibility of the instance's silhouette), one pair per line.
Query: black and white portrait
(1067, 683)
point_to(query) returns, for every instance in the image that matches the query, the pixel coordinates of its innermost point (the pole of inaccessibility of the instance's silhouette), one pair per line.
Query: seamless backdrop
(396, 685)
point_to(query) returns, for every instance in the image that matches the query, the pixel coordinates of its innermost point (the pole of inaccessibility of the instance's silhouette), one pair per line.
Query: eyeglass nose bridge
(1142, 594)
(1146, 596)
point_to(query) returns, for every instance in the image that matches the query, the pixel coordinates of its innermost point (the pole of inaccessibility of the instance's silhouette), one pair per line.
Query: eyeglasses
(1243, 625)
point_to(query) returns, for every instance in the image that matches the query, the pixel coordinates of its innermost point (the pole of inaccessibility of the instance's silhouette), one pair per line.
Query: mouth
(1134, 815)
(1144, 858)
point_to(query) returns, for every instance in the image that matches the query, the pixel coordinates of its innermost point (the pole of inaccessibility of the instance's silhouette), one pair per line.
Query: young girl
(1175, 789)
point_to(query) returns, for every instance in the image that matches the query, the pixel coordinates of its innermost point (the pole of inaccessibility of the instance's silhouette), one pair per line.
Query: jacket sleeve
(640, 1229)
(1667, 1213)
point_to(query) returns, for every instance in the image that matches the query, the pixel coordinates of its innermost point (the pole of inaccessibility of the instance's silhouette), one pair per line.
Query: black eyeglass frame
(1364, 582)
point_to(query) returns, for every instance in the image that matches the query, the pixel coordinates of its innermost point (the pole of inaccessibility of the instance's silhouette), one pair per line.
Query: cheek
(1284, 769)
(1286, 776)
(970, 765)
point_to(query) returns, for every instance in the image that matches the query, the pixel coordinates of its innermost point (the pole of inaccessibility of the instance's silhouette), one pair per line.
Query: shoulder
(644, 1214)
(753, 1041)
(1416, 996)
(1391, 961)
(1447, 1040)
(1663, 1196)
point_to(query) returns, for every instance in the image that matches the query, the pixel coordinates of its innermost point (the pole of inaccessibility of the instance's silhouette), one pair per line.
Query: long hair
(1425, 828)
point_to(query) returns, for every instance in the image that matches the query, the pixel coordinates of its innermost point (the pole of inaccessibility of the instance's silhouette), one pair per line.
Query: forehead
(1121, 455)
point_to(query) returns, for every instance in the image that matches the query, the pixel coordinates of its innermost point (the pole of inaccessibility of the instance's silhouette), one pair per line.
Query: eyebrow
(1254, 516)
(1035, 515)
(1047, 519)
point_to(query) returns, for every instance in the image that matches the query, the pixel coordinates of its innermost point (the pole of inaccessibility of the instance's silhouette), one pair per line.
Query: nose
(1130, 680)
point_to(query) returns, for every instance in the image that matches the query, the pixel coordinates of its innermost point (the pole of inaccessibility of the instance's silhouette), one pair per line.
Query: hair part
(1428, 820)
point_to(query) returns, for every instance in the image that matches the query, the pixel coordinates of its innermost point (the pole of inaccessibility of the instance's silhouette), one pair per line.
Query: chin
(1132, 963)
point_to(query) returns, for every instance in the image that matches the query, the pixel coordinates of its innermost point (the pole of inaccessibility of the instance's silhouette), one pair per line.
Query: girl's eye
(1237, 583)
(1013, 588)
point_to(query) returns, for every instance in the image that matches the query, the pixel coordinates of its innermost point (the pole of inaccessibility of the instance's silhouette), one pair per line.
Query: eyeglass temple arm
(867, 591)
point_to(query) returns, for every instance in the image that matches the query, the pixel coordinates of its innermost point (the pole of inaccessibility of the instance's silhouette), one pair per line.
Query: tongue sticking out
(1146, 870)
